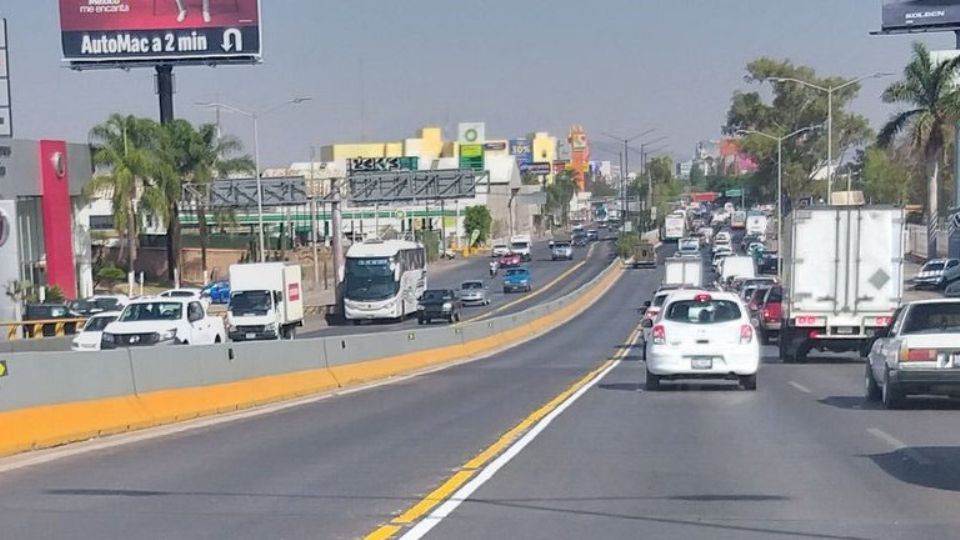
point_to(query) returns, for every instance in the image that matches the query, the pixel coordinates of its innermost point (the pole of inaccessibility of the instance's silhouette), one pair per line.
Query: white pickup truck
(148, 322)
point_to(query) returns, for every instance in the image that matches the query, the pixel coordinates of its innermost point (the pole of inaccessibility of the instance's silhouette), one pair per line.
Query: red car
(770, 313)
(511, 260)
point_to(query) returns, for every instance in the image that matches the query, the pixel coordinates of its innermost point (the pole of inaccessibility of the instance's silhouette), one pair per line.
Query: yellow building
(427, 145)
(544, 150)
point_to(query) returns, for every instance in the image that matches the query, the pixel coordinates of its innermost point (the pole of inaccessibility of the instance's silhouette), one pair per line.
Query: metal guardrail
(37, 328)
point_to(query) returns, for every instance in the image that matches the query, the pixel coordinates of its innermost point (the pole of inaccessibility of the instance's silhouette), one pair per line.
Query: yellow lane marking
(464, 473)
(535, 292)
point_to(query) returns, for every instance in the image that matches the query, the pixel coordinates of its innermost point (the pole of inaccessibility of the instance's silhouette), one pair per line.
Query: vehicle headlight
(447, 306)
(168, 335)
(107, 338)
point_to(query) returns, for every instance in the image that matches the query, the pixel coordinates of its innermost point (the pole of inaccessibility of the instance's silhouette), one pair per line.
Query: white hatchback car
(88, 339)
(702, 335)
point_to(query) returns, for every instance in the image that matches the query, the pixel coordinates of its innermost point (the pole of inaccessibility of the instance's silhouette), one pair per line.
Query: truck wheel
(292, 333)
(890, 393)
(787, 355)
(749, 382)
(217, 340)
(872, 389)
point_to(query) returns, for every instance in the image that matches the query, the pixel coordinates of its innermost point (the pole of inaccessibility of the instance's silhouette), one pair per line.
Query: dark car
(747, 240)
(579, 239)
(767, 263)
(439, 304)
(593, 235)
(49, 312)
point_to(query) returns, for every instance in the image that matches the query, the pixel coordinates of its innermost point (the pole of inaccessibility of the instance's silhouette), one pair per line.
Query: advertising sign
(539, 169)
(495, 146)
(154, 31)
(522, 150)
(918, 15)
(6, 107)
(384, 164)
(471, 157)
(472, 132)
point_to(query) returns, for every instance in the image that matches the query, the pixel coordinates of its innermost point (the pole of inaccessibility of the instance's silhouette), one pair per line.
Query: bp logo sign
(4, 228)
(471, 135)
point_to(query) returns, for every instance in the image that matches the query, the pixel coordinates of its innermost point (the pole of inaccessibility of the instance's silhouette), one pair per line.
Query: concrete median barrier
(48, 399)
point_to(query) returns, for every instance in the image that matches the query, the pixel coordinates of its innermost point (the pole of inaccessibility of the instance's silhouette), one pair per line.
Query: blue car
(218, 292)
(516, 279)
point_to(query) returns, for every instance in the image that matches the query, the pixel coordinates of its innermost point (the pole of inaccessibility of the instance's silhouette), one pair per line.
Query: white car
(702, 335)
(652, 309)
(181, 293)
(499, 250)
(916, 354)
(163, 321)
(88, 339)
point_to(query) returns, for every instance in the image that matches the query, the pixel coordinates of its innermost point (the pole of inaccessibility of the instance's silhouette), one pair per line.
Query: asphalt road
(336, 468)
(543, 270)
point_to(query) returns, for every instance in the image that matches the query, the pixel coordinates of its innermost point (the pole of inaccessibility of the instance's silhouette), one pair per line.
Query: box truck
(843, 277)
(266, 301)
(674, 227)
(683, 272)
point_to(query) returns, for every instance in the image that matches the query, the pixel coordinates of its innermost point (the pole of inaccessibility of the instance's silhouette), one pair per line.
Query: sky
(379, 70)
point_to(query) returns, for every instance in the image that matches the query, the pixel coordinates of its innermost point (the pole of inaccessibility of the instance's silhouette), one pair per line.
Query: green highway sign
(471, 157)
(734, 193)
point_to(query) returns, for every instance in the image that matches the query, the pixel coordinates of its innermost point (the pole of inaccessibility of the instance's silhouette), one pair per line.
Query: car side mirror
(277, 297)
(646, 323)
(647, 304)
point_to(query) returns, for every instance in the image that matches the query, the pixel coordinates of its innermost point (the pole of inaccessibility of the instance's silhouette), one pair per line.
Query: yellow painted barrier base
(52, 425)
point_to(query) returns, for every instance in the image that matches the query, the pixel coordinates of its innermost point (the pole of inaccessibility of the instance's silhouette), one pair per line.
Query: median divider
(49, 399)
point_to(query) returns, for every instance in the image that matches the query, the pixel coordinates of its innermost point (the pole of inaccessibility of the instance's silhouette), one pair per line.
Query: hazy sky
(621, 66)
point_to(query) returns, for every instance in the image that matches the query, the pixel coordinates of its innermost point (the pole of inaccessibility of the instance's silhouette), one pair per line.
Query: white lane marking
(800, 387)
(444, 510)
(897, 444)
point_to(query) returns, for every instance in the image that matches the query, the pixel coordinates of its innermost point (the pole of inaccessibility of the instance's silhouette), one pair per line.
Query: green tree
(932, 104)
(698, 179)
(794, 106)
(559, 195)
(478, 218)
(882, 178)
(122, 152)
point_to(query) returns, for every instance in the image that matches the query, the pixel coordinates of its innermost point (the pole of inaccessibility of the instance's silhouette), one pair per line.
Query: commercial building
(44, 239)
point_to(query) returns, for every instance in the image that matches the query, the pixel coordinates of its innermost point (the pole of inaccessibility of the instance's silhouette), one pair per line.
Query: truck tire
(291, 332)
(872, 390)
(788, 355)
(748, 382)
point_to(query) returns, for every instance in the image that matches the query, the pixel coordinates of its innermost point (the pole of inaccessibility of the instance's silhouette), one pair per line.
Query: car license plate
(251, 336)
(845, 330)
(701, 363)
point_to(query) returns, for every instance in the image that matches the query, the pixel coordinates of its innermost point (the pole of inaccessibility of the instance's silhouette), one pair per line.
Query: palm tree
(122, 150)
(214, 157)
(933, 101)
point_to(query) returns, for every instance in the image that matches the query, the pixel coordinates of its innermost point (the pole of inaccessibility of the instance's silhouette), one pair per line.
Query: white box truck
(843, 277)
(756, 223)
(266, 301)
(674, 227)
(521, 244)
(683, 272)
(737, 267)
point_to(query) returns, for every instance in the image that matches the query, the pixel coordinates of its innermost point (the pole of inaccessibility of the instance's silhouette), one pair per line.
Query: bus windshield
(370, 279)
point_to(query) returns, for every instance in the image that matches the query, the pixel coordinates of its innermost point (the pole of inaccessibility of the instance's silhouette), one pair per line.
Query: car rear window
(932, 267)
(775, 295)
(471, 285)
(700, 312)
(932, 319)
(659, 299)
(516, 272)
(436, 295)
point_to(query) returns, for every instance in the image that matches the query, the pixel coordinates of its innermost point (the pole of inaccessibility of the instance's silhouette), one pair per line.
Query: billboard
(159, 31)
(919, 15)
(522, 151)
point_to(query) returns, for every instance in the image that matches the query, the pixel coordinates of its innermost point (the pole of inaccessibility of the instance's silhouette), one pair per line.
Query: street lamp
(829, 90)
(626, 165)
(779, 141)
(255, 116)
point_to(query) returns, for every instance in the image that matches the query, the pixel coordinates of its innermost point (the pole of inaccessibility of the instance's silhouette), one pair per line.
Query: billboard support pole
(165, 91)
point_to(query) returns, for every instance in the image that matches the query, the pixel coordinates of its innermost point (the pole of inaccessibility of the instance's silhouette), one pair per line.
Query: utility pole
(313, 216)
(337, 233)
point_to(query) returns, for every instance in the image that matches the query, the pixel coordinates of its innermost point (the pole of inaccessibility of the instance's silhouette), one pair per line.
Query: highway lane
(803, 457)
(336, 468)
(542, 268)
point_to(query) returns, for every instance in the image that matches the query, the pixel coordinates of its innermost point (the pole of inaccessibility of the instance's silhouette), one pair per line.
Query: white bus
(383, 280)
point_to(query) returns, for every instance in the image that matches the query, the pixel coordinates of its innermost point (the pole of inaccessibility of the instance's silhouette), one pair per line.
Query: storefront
(40, 194)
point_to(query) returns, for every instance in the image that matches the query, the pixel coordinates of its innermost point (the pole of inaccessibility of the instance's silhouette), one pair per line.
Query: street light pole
(255, 116)
(779, 141)
(829, 90)
(626, 169)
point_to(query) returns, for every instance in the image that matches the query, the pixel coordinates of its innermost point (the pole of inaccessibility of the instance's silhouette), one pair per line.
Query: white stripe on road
(897, 444)
(464, 493)
(800, 387)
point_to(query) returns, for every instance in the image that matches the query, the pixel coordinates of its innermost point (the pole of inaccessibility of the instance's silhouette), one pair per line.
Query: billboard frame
(916, 29)
(173, 60)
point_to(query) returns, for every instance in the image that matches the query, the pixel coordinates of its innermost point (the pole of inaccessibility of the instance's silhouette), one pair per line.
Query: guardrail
(36, 329)
(48, 399)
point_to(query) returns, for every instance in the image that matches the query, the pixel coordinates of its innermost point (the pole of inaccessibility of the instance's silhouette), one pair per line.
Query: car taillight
(768, 314)
(880, 322)
(746, 334)
(659, 335)
(918, 355)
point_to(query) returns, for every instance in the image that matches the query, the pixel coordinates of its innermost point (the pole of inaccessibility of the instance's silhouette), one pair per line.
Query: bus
(739, 220)
(383, 279)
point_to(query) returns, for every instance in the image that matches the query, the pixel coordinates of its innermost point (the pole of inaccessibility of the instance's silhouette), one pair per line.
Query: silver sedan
(474, 293)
